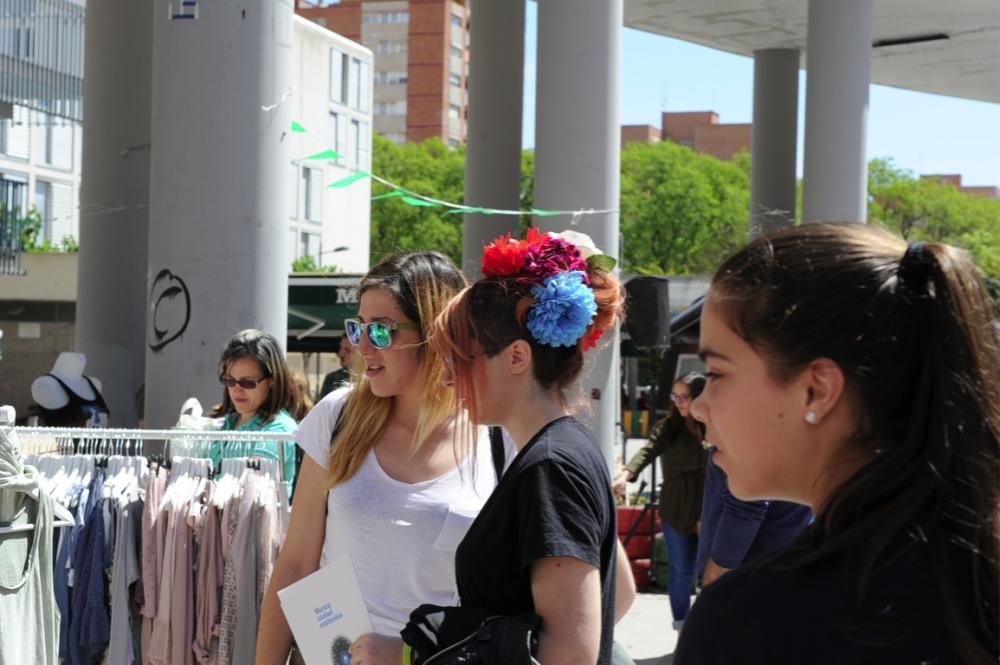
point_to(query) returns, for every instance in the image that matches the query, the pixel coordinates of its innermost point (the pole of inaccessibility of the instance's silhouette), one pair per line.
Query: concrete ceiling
(967, 64)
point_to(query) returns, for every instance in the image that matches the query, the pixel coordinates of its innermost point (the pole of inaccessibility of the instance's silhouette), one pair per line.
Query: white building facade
(332, 98)
(40, 155)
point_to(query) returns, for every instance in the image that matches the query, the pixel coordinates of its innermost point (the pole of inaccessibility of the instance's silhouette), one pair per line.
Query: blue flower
(565, 308)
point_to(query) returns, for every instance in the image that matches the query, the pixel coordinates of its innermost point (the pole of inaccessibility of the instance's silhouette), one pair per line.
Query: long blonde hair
(422, 283)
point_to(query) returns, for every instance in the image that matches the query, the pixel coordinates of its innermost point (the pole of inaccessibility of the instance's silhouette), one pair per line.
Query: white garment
(401, 537)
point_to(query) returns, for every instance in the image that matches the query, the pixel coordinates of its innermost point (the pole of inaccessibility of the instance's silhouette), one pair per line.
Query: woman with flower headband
(545, 541)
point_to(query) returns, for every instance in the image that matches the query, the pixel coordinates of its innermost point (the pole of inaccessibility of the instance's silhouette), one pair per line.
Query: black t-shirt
(771, 612)
(554, 500)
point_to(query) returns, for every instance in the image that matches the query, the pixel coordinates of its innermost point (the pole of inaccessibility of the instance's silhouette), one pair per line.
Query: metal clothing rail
(98, 435)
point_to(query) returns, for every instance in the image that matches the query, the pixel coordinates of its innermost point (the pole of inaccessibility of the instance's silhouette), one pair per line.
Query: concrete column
(493, 152)
(114, 201)
(775, 123)
(578, 155)
(218, 237)
(838, 59)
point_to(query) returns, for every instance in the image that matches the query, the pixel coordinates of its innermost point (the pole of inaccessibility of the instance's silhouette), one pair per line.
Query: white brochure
(326, 612)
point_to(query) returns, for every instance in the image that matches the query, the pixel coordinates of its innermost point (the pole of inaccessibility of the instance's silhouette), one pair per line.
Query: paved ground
(646, 631)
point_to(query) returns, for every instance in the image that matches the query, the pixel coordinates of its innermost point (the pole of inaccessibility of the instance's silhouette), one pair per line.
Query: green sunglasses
(379, 332)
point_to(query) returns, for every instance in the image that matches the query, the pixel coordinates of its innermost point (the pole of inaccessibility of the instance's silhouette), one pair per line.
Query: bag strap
(497, 448)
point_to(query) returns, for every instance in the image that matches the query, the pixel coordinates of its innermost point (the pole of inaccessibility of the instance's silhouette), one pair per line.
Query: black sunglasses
(245, 384)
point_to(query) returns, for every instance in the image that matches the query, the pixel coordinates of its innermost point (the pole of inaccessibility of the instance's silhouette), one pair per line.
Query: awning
(317, 307)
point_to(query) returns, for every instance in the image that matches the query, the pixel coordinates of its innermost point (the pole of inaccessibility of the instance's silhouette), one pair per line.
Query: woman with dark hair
(855, 374)
(259, 395)
(545, 541)
(677, 441)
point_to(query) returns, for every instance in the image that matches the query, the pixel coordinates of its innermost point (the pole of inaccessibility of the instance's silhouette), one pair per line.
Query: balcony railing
(12, 196)
(41, 56)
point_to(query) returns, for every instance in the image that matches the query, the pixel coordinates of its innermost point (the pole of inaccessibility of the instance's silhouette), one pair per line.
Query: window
(390, 48)
(338, 76)
(390, 78)
(293, 211)
(312, 194)
(456, 52)
(457, 21)
(63, 212)
(43, 204)
(454, 112)
(353, 96)
(396, 137)
(390, 108)
(453, 143)
(361, 141)
(364, 87)
(15, 135)
(52, 141)
(310, 246)
(455, 80)
(338, 125)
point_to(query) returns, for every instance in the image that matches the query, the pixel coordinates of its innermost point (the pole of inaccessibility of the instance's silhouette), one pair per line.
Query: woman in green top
(677, 441)
(259, 396)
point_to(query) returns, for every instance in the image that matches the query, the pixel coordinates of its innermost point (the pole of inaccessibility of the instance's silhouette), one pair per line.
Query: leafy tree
(431, 169)
(935, 211)
(682, 212)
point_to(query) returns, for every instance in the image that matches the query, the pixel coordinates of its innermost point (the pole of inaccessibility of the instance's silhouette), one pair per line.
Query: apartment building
(421, 59)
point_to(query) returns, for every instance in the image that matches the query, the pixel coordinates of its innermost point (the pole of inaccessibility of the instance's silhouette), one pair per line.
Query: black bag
(469, 636)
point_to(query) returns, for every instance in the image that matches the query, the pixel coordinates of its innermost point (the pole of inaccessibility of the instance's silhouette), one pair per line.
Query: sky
(920, 132)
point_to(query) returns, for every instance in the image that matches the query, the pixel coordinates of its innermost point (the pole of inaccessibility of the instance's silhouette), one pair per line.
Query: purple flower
(553, 255)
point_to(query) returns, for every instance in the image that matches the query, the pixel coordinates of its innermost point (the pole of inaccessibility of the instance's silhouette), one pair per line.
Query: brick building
(699, 130)
(956, 180)
(421, 61)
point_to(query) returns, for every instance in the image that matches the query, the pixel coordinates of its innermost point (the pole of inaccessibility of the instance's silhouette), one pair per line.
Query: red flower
(504, 256)
(589, 340)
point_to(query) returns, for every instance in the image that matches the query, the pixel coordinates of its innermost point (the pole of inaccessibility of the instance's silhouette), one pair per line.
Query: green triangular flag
(297, 128)
(420, 203)
(349, 180)
(390, 195)
(326, 154)
(543, 213)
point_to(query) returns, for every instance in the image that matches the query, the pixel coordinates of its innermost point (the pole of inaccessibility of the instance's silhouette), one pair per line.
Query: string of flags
(418, 200)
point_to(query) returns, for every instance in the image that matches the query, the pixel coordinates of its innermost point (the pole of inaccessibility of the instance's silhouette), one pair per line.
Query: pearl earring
(811, 417)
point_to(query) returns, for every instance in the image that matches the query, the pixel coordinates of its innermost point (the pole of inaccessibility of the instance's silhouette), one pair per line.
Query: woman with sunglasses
(259, 395)
(676, 440)
(382, 478)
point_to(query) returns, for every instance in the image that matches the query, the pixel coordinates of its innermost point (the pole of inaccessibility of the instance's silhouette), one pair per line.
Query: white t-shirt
(401, 537)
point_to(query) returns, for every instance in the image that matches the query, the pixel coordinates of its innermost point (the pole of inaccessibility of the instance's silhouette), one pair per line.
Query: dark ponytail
(911, 328)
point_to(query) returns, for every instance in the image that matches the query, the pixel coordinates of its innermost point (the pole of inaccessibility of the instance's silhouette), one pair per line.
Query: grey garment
(125, 571)
(27, 595)
(245, 638)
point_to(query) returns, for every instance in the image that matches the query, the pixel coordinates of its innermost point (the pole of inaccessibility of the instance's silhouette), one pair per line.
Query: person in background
(677, 441)
(304, 400)
(342, 376)
(858, 375)
(259, 395)
(734, 531)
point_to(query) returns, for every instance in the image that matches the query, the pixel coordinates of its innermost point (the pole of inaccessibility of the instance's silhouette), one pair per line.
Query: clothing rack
(101, 440)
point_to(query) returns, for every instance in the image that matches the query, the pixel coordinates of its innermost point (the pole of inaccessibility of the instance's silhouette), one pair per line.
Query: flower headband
(555, 265)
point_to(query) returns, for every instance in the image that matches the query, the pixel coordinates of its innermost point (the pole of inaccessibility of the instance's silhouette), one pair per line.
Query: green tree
(431, 169)
(682, 212)
(935, 211)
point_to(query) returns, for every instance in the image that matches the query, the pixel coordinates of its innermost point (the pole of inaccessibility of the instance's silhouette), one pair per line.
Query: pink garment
(158, 652)
(267, 548)
(238, 508)
(182, 592)
(152, 541)
(208, 587)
